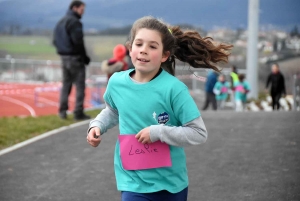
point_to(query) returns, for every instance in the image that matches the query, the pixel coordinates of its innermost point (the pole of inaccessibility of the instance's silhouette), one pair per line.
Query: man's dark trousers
(275, 100)
(210, 98)
(73, 71)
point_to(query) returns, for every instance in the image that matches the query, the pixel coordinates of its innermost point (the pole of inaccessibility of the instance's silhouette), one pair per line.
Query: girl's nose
(143, 50)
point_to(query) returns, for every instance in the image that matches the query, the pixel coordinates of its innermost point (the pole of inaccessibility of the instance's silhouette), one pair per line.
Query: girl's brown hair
(241, 77)
(186, 46)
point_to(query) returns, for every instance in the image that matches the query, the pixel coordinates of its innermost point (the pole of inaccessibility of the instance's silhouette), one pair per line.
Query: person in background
(221, 90)
(210, 97)
(68, 40)
(276, 80)
(241, 89)
(233, 79)
(153, 107)
(233, 76)
(117, 63)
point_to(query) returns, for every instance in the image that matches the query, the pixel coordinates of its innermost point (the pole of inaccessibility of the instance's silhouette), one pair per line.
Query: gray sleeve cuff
(107, 119)
(155, 131)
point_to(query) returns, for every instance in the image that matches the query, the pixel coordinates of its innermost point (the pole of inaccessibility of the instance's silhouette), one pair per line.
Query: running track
(18, 99)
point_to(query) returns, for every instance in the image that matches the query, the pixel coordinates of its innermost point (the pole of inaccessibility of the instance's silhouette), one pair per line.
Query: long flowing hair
(187, 46)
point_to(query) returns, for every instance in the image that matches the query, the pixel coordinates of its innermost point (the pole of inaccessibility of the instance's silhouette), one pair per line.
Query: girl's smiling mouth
(142, 60)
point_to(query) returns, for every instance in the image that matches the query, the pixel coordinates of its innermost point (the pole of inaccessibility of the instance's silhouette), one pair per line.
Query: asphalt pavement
(248, 156)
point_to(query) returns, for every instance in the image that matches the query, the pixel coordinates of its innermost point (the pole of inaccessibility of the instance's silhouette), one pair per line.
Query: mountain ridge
(102, 14)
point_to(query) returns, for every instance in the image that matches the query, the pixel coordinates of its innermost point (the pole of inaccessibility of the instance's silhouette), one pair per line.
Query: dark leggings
(156, 196)
(275, 100)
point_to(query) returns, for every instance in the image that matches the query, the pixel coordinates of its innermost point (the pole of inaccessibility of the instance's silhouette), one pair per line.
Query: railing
(45, 71)
(50, 71)
(27, 70)
(37, 70)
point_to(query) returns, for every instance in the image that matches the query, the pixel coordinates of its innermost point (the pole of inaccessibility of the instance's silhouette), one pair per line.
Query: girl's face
(221, 78)
(147, 51)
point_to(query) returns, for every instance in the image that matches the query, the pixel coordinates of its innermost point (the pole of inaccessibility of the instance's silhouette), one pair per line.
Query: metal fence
(43, 71)
(27, 70)
(37, 70)
(20, 70)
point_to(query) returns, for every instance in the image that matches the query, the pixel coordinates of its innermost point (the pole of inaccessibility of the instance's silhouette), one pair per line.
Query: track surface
(35, 99)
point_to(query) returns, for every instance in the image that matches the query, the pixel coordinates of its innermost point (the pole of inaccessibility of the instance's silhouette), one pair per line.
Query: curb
(42, 136)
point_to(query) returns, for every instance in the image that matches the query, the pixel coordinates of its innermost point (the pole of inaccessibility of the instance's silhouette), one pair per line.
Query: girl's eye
(153, 47)
(138, 44)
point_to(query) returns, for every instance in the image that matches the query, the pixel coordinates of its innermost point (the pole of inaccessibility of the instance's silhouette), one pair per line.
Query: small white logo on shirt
(154, 115)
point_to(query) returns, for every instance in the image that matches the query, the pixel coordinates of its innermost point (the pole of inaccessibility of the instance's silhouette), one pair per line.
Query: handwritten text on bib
(138, 156)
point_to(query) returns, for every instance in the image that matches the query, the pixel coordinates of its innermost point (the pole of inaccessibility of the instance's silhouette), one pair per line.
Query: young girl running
(241, 89)
(156, 114)
(221, 90)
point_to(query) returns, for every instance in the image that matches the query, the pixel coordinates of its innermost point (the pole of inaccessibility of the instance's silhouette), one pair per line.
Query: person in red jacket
(117, 63)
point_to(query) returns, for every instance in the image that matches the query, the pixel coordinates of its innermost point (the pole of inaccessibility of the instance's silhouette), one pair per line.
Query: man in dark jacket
(276, 80)
(68, 40)
(209, 87)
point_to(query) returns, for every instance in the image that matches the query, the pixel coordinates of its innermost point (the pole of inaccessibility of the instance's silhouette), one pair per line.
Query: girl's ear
(130, 51)
(165, 56)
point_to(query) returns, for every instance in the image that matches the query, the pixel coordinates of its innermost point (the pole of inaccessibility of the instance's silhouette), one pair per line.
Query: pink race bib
(240, 88)
(224, 89)
(138, 156)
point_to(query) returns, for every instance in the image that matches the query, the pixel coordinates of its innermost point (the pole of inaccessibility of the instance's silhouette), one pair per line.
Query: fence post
(296, 94)
(194, 83)
(33, 72)
(294, 91)
(12, 65)
(298, 98)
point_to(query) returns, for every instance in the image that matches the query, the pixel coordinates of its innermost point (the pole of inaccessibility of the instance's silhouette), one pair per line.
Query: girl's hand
(144, 136)
(93, 138)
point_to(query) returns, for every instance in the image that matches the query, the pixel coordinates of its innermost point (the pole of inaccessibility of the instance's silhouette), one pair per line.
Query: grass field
(16, 129)
(101, 46)
(40, 47)
(32, 47)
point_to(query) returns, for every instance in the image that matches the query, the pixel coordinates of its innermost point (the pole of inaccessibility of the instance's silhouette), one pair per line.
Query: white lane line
(48, 102)
(30, 109)
(44, 100)
(39, 137)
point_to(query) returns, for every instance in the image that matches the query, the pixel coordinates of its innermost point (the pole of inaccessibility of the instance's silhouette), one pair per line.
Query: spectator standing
(209, 87)
(276, 80)
(221, 90)
(68, 40)
(241, 89)
(234, 76)
(233, 79)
